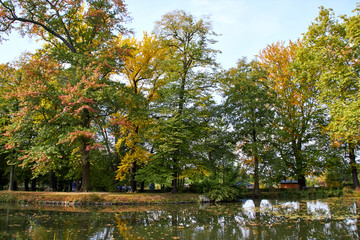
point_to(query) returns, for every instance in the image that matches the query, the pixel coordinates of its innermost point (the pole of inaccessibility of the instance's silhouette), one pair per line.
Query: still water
(247, 219)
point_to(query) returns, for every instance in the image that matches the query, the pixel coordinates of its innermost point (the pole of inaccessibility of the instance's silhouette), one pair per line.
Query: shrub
(223, 193)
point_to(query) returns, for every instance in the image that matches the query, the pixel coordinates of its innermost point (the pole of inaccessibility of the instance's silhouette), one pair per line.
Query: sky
(244, 26)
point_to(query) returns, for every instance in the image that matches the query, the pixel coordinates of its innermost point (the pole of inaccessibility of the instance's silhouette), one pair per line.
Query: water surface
(248, 219)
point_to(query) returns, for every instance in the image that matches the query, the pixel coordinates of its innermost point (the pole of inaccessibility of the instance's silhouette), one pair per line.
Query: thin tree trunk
(133, 169)
(142, 187)
(11, 183)
(26, 183)
(175, 180)
(133, 182)
(353, 164)
(33, 184)
(256, 159)
(256, 182)
(52, 181)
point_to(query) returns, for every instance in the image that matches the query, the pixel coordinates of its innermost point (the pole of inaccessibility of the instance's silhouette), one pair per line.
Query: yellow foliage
(199, 170)
(138, 155)
(142, 67)
(124, 230)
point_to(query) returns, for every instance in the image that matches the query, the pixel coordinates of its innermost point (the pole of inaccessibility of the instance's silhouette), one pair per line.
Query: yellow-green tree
(299, 117)
(189, 74)
(334, 45)
(143, 74)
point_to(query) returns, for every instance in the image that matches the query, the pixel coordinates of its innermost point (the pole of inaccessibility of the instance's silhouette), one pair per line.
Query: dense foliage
(97, 109)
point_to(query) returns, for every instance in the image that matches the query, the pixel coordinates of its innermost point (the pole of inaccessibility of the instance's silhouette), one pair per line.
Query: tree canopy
(103, 108)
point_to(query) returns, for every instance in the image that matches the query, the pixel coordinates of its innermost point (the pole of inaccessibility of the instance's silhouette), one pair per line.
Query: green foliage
(185, 97)
(63, 87)
(332, 44)
(299, 118)
(223, 193)
(62, 111)
(248, 112)
(219, 177)
(103, 172)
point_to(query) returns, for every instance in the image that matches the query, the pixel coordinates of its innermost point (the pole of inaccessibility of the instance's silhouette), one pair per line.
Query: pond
(247, 219)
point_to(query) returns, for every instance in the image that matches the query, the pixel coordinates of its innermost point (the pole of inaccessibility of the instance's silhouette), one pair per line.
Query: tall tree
(143, 74)
(248, 110)
(299, 117)
(6, 109)
(79, 34)
(334, 44)
(190, 58)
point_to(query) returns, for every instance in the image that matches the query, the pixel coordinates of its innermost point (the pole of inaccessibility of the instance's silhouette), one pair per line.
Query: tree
(142, 72)
(80, 36)
(6, 108)
(334, 44)
(248, 110)
(185, 94)
(299, 117)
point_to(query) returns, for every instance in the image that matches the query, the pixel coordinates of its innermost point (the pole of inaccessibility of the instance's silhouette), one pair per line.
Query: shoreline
(97, 198)
(155, 198)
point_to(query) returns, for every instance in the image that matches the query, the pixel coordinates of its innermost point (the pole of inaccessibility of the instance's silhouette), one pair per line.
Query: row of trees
(97, 105)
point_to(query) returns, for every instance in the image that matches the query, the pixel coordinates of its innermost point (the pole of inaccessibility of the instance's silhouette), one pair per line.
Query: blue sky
(246, 26)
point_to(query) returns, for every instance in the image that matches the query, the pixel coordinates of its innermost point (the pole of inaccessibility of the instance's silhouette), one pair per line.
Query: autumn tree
(80, 36)
(6, 109)
(333, 42)
(299, 117)
(143, 74)
(186, 92)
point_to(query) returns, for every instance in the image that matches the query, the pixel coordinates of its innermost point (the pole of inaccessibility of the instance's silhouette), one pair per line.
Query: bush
(223, 193)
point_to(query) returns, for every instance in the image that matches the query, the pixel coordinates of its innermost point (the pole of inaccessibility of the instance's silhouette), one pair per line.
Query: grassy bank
(101, 198)
(95, 198)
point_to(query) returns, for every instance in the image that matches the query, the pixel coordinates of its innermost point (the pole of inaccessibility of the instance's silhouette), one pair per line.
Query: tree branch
(68, 44)
(64, 26)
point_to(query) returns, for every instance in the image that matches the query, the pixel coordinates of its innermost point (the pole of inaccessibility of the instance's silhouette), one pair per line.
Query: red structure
(289, 184)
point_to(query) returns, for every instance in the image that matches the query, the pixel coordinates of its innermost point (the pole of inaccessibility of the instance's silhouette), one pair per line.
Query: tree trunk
(133, 182)
(85, 154)
(85, 181)
(174, 183)
(142, 187)
(60, 186)
(133, 169)
(256, 162)
(256, 182)
(11, 183)
(353, 164)
(33, 184)
(52, 181)
(301, 181)
(26, 183)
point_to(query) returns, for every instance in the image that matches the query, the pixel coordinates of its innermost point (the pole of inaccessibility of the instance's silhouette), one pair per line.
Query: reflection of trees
(62, 225)
(244, 220)
(124, 228)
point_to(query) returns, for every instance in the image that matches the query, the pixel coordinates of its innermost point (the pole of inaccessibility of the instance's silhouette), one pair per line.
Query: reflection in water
(248, 219)
(124, 228)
